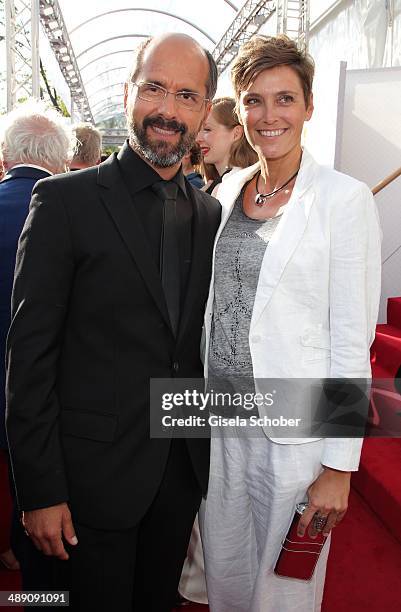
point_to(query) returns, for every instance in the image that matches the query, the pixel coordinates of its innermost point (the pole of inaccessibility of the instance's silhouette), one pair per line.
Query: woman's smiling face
(273, 112)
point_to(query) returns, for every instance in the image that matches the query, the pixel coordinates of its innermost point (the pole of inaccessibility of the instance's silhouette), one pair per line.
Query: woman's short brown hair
(263, 52)
(241, 154)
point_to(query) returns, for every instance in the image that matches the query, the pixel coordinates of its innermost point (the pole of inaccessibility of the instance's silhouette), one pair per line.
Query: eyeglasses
(150, 92)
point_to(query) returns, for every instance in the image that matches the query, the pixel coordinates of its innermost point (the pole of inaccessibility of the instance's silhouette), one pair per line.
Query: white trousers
(192, 584)
(253, 489)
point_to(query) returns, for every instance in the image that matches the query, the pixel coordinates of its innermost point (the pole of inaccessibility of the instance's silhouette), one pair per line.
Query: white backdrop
(369, 148)
(360, 33)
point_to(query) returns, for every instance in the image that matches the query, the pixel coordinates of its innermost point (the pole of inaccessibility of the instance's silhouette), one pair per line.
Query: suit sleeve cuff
(342, 453)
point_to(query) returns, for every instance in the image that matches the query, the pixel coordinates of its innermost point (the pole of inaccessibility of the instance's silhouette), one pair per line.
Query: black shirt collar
(139, 175)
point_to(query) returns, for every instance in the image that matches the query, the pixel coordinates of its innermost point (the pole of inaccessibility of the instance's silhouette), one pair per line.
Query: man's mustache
(165, 124)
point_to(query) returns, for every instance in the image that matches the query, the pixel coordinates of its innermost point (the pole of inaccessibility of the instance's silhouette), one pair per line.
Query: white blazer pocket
(315, 342)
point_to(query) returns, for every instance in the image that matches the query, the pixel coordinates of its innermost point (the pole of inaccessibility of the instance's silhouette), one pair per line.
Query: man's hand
(328, 496)
(46, 528)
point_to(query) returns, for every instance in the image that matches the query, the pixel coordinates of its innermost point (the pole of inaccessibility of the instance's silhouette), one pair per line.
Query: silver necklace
(262, 198)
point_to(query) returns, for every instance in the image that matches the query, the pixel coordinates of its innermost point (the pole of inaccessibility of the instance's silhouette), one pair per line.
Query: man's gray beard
(160, 154)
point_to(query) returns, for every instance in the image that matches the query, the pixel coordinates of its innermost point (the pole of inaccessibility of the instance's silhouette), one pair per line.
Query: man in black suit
(96, 314)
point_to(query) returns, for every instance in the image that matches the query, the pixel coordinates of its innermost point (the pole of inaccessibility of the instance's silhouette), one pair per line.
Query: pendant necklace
(262, 198)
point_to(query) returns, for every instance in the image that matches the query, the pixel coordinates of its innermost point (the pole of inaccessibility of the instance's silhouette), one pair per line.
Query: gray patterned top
(239, 254)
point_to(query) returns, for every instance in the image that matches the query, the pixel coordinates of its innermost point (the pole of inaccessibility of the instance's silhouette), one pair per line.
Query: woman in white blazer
(294, 294)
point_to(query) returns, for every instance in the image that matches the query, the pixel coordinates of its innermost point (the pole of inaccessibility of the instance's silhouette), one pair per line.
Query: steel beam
(293, 20)
(247, 22)
(56, 31)
(22, 50)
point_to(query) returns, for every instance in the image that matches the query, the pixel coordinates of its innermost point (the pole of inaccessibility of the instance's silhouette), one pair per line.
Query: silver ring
(319, 522)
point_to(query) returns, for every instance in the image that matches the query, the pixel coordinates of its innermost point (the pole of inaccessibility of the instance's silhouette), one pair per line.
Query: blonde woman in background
(224, 147)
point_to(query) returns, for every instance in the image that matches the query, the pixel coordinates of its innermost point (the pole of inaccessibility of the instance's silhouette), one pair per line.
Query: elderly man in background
(88, 146)
(34, 144)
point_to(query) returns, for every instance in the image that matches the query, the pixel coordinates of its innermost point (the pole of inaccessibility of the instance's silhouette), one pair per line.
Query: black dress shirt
(139, 177)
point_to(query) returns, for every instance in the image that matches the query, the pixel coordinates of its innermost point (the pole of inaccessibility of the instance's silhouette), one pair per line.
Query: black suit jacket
(90, 327)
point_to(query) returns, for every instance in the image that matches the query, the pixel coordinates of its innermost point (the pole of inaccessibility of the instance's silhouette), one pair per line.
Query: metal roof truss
(22, 50)
(247, 22)
(56, 31)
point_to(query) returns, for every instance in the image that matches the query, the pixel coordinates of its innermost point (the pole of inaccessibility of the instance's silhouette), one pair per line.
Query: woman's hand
(328, 496)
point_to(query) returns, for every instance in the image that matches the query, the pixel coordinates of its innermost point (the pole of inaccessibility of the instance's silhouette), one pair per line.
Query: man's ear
(208, 107)
(125, 97)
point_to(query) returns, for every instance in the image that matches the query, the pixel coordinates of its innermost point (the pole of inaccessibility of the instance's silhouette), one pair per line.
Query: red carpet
(378, 481)
(5, 503)
(364, 566)
(364, 569)
(9, 581)
(363, 573)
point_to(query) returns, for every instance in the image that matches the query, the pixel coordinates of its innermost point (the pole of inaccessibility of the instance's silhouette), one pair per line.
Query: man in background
(34, 144)
(88, 146)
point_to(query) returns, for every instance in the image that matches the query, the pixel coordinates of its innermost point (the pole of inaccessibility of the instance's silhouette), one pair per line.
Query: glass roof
(103, 39)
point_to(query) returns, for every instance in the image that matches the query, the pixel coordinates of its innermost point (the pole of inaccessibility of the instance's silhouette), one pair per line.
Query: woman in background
(191, 166)
(223, 144)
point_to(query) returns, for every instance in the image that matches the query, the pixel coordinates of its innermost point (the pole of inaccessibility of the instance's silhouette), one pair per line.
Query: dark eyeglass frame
(199, 99)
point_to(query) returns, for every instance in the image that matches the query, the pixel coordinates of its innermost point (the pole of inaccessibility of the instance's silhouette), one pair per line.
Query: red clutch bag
(298, 556)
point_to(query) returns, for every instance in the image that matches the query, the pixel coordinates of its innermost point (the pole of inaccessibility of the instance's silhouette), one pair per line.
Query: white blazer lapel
(286, 238)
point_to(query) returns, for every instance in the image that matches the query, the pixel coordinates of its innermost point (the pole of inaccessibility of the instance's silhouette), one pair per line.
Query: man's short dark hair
(211, 85)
